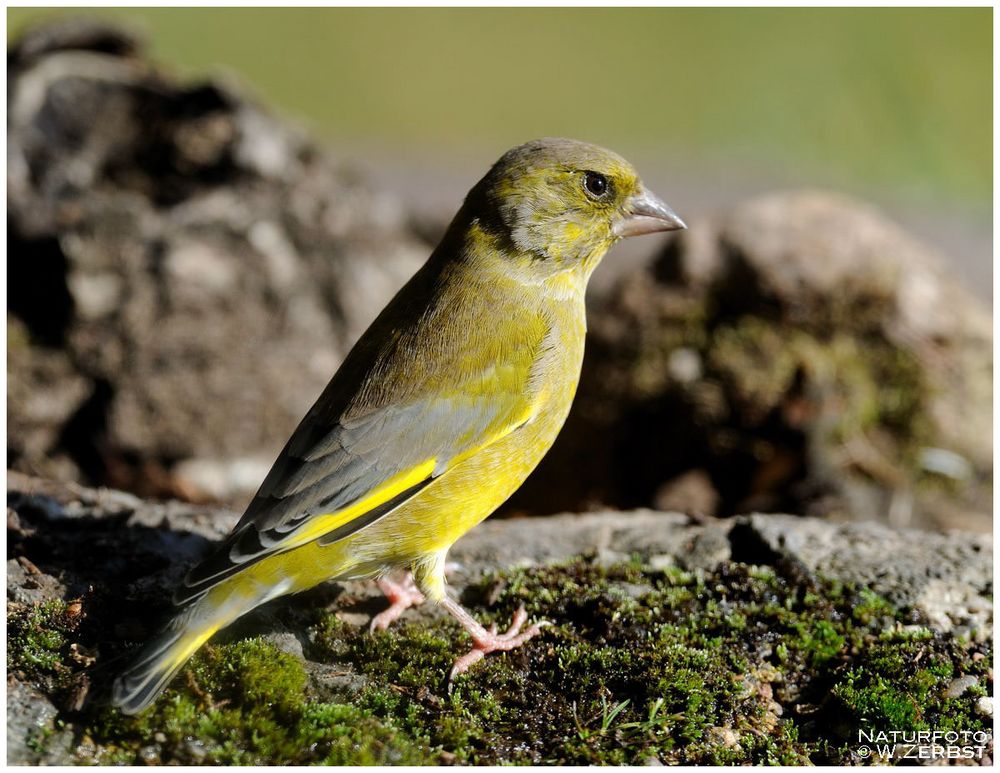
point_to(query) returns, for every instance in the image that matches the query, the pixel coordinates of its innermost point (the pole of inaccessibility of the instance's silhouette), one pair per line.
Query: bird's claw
(490, 641)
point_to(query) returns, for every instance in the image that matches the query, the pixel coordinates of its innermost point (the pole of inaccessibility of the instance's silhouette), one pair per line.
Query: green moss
(246, 703)
(709, 670)
(252, 673)
(740, 666)
(39, 640)
(904, 683)
(820, 641)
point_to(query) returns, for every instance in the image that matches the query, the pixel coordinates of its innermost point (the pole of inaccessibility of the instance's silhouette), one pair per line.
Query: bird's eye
(596, 184)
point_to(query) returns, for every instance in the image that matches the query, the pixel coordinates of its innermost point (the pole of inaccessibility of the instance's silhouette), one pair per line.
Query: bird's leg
(487, 640)
(429, 577)
(401, 596)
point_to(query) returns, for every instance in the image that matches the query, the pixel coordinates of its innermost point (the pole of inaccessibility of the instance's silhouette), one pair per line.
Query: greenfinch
(437, 415)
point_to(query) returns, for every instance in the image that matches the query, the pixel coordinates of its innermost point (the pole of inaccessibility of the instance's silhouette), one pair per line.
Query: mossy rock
(744, 664)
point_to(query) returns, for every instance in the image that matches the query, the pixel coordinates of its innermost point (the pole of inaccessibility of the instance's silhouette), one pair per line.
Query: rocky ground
(764, 638)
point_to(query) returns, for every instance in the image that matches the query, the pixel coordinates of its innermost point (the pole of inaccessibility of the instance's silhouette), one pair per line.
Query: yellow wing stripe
(327, 522)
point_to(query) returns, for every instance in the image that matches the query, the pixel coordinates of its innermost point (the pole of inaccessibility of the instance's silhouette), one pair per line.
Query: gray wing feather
(357, 455)
(325, 470)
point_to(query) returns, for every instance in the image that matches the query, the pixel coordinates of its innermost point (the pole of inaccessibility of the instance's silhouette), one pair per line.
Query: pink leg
(485, 641)
(401, 597)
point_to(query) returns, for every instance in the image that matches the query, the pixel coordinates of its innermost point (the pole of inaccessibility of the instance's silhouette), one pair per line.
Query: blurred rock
(691, 492)
(185, 271)
(800, 354)
(44, 392)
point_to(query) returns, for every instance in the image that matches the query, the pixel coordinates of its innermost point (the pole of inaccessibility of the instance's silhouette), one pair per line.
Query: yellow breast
(471, 490)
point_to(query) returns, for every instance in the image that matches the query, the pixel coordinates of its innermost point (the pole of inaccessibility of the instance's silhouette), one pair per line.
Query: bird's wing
(332, 481)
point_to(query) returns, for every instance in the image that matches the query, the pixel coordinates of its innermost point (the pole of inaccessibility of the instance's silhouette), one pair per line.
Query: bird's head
(565, 202)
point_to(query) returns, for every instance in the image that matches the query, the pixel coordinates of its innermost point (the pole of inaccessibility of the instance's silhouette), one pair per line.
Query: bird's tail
(165, 655)
(161, 659)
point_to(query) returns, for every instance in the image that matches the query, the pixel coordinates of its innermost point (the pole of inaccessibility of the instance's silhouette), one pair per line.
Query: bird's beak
(646, 214)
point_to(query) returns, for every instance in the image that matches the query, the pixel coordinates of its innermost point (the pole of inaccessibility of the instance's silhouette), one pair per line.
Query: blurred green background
(891, 100)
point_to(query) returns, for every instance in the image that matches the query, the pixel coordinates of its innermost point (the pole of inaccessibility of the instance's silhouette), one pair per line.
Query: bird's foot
(487, 640)
(401, 597)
